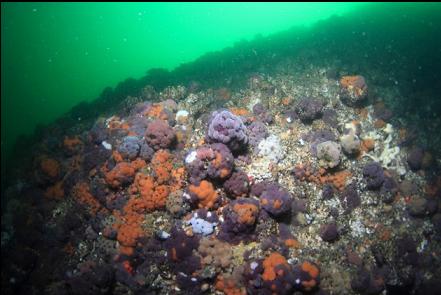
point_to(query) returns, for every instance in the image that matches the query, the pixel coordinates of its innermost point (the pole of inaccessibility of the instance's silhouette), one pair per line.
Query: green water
(54, 56)
(57, 55)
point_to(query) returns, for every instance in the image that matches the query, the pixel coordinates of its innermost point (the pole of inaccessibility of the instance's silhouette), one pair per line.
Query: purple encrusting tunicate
(258, 109)
(350, 198)
(383, 113)
(228, 129)
(309, 109)
(388, 189)
(146, 152)
(256, 132)
(262, 113)
(374, 175)
(138, 125)
(389, 185)
(140, 108)
(330, 117)
(329, 232)
(159, 134)
(273, 198)
(315, 138)
(240, 217)
(180, 246)
(285, 232)
(258, 188)
(99, 132)
(94, 155)
(328, 192)
(213, 161)
(415, 158)
(237, 185)
(267, 118)
(129, 147)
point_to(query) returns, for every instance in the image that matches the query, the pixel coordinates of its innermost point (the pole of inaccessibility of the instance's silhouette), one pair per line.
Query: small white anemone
(106, 145)
(164, 235)
(181, 116)
(254, 265)
(191, 157)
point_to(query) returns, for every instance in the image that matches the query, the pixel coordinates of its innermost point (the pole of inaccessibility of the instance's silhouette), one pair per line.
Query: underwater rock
(374, 175)
(176, 195)
(203, 195)
(329, 154)
(328, 192)
(129, 147)
(330, 117)
(237, 185)
(240, 217)
(213, 161)
(271, 149)
(275, 200)
(420, 207)
(159, 135)
(350, 143)
(415, 158)
(306, 276)
(256, 131)
(353, 90)
(317, 137)
(277, 275)
(309, 109)
(329, 232)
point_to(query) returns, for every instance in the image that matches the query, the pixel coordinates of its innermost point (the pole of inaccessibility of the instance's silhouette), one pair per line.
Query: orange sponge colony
(72, 145)
(269, 266)
(205, 194)
(338, 179)
(304, 172)
(128, 234)
(55, 192)
(121, 174)
(353, 89)
(307, 276)
(83, 196)
(277, 274)
(151, 196)
(247, 212)
(50, 168)
(162, 166)
(229, 286)
(353, 83)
